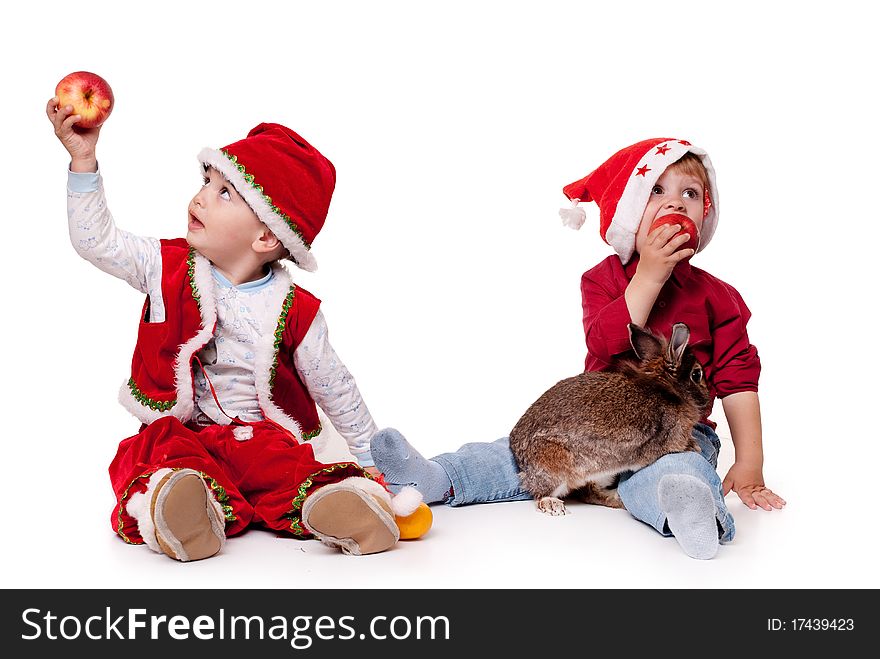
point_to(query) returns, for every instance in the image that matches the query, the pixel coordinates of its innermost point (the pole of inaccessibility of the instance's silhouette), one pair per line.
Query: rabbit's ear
(680, 336)
(646, 345)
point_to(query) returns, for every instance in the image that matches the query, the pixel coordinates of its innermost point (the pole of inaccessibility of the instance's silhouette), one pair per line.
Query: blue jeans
(486, 472)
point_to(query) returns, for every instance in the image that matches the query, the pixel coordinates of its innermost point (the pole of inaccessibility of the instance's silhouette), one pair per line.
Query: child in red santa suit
(231, 359)
(649, 282)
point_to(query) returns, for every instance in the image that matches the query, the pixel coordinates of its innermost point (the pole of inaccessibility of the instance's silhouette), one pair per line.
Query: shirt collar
(246, 286)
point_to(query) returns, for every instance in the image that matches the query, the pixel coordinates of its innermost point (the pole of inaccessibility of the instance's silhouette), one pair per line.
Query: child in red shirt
(651, 283)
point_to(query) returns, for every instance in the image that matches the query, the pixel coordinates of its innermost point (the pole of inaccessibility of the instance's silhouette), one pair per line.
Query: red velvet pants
(262, 480)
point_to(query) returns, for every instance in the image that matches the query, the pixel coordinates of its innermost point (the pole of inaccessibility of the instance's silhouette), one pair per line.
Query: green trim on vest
(311, 435)
(191, 273)
(279, 332)
(146, 401)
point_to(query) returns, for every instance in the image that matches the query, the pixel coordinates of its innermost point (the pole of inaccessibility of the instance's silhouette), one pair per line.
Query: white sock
(690, 514)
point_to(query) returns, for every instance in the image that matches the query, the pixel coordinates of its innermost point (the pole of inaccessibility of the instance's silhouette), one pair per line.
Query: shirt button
(661, 304)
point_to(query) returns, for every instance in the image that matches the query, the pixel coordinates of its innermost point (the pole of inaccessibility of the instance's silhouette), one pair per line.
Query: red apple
(687, 226)
(90, 96)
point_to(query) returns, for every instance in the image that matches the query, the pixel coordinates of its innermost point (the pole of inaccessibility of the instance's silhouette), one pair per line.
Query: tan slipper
(188, 524)
(352, 515)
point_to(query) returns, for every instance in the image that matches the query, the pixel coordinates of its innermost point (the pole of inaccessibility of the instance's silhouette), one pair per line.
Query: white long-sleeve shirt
(243, 316)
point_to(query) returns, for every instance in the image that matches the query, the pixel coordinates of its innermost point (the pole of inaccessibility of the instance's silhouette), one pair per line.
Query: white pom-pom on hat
(574, 216)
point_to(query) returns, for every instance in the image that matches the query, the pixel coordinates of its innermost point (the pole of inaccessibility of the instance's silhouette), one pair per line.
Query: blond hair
(690, 164)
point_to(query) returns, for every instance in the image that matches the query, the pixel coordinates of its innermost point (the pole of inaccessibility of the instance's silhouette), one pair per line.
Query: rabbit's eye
(697, 375)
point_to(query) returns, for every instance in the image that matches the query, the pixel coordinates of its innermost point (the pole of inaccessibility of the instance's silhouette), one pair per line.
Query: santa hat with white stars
(621, 186)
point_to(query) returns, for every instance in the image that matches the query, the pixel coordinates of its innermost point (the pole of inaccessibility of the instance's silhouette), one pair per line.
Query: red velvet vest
(161, 382)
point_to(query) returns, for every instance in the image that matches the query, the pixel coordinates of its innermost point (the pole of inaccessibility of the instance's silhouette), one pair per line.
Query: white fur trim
(294, 244)
(183, 376)
(330, 446)
(406, 501)
(621, 233)
(139, 507)
(265, 356)
(184, 407)
(135, 407)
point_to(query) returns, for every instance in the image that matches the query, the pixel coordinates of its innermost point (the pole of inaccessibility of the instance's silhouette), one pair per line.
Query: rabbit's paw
(551, 506)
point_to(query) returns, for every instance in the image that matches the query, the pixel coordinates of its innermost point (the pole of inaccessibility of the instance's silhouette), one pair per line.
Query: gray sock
(402, 465)
(690, 514)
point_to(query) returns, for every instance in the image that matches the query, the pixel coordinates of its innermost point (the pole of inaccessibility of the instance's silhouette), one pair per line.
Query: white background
(449, 284)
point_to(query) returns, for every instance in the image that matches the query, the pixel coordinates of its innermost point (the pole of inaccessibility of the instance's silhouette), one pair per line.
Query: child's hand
(659, 257)
(748, 483)
(80, 143)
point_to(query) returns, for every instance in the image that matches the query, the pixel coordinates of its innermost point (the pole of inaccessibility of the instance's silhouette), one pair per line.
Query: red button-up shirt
(713, 311)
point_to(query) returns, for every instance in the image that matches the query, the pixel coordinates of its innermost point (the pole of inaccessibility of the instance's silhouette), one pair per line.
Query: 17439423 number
(810, 624)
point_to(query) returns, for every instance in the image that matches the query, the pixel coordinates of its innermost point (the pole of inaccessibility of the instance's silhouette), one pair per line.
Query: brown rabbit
(585, 430)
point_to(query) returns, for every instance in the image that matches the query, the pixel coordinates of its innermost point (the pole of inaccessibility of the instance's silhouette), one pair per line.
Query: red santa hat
(621, 186)
(284, 179)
